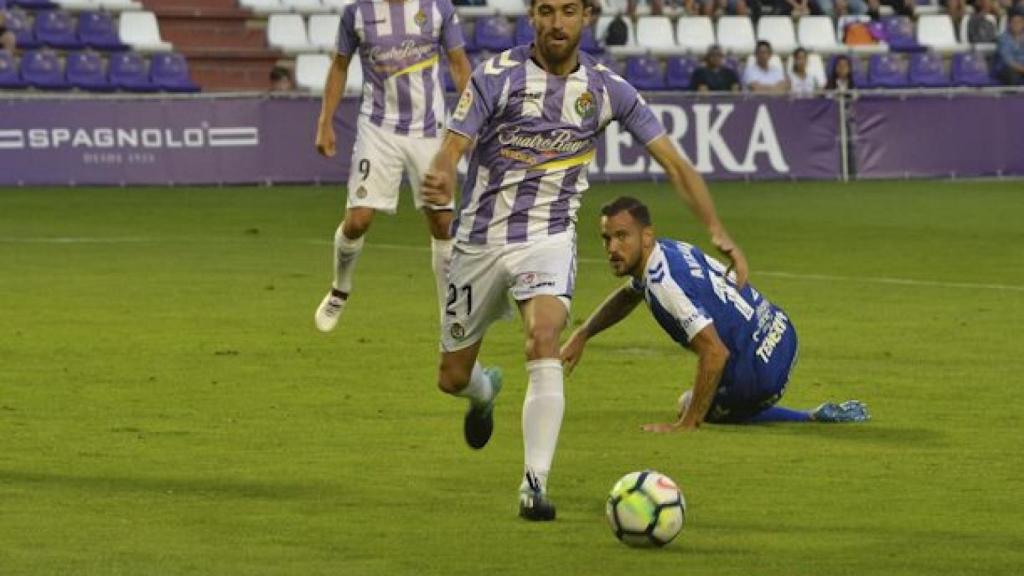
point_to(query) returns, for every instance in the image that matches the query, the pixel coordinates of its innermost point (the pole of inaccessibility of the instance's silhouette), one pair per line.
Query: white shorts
(481, 278)
(379, 157)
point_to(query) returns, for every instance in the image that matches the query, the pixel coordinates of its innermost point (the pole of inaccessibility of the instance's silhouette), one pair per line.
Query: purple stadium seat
(524, 32)
(128, 71)
(43, 70)
(644, 73)
(85, 71)
(18, 22)
(899, 34)
(971, 69)
(494, 33)
(927, 70)
(97, 30)
(887, 71)
(678, 72)
(9, 77)
(170, 72)
(56, 28)
(588, 43)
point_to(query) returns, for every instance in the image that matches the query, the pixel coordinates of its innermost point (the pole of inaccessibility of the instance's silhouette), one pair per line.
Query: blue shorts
(750, 385)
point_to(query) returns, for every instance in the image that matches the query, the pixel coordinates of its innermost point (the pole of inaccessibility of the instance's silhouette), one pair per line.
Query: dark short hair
(764, 43)
(636, 209)
(713, 48)
(799, 51)
(586, 3)
(279, 73)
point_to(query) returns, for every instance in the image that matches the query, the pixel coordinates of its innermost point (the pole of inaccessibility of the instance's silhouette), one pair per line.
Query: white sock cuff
(544, 363)
(438, 245)
(346, 244)
(545, 378)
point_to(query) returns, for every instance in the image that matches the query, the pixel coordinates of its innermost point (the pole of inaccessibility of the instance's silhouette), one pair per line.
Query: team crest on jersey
(585, 105)
(457, 331)
(420, 18)
(465, 102)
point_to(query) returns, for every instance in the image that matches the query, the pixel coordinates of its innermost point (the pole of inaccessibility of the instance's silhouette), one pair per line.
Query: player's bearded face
(558, 25)
(623, 243)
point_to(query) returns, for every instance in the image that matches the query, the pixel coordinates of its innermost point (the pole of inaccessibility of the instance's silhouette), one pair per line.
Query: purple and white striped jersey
(399, 44)
(535, 136)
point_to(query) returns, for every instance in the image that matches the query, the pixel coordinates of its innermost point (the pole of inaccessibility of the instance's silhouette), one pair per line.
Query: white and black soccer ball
(646, 509)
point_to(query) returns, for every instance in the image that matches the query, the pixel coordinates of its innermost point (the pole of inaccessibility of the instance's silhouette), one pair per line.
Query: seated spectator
(838, 8)
(981, 27)
(713, 77)
(1011, 51)
(281, 79)
(800, 82)
(957, 11)
(716, 8)
(841, 78)
(617, 33)
(762, 76)
(900, 7)
(7, 39)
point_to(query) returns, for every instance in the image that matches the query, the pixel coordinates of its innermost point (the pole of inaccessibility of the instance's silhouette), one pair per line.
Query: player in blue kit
(746, 345)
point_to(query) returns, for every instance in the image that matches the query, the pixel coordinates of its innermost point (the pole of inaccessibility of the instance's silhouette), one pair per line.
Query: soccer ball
(646, 509)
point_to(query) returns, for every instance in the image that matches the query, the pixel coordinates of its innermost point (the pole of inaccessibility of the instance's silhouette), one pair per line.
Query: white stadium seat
(696, 34)
(509, 7)
(305, 6)
(263, 6)
(655, 33)
(816, 34)
(140, 31)
(311, 72)
(736, 34)
(927, 7)
(336, 5)
(78, 5)
(474, 12)
(936, 32)
(777, 31)
(323, 31)
(629, 49)
(815, 68)
(287, 32)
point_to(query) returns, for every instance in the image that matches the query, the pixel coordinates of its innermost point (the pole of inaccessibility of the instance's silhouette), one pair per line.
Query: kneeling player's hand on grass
(670, 427)
(572, 351)
(325, 141)
(728, 247)
(435, 188)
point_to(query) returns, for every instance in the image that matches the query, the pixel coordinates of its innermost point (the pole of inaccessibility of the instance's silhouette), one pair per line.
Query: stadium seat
(9, 77)
(78, 5)
(494, 33)
(25, 36)
(844, 21)
(778, 31)
(96, 29)
(34, 5)
(935, 31)
(509, 7)
(971, 69)
(922, 7)
(980, 46)
(129, 71)
(140, 31)
(119, 5)
(524, 31)
(816, 34)
(645, 73)
(287, 32)
(170, 72)
(899, 34)
(323, 31)
(86, 71)
(887, 71)
(263, 6)
(42, 69)
(736, 35)
(656, 35)
(815, 68)
(56, 29)
(311, 73)
(927, 70)
(695, 34)
(337, 6)
(679, 72)
(474, 12)
(304, 6)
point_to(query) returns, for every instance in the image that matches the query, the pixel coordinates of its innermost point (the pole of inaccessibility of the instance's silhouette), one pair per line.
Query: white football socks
(346, 252)
(441, 257)
(542, 417)
(479, 390)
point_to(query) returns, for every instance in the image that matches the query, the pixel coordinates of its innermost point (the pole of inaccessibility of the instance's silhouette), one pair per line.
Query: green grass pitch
(167, 407)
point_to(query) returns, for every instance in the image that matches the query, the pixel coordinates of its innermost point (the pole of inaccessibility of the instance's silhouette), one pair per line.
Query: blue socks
(780, 414)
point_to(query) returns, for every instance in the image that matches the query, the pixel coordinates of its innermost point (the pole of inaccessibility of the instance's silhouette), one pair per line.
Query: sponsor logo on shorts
(361, 192)
(534, 280)
(457, 331)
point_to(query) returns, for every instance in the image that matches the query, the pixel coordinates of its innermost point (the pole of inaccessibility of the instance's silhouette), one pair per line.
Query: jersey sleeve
(632, 111)
(347, 41)
(451, 31)
(692, 318)
(475, 105)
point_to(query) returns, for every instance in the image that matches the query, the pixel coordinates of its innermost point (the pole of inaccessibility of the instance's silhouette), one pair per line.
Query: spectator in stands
(981, 27)
(800, 82)
(839, 8)
(841, 78)
(797, 8)
(716, 8)
(7, 39)
(713, 76)
(1011, 51)
(762, 76)
(281, 79)
(617, 33)
(956, 11)
(900, 7)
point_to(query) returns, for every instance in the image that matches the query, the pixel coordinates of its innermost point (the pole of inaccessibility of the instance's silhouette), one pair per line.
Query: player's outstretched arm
(459, 67)
(439, 181)
(334, 89)
(608, 314)
(690, 186)
(711, 358)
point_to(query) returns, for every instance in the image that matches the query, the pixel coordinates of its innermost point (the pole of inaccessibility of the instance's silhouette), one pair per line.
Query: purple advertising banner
(259, 139)
(966, 135)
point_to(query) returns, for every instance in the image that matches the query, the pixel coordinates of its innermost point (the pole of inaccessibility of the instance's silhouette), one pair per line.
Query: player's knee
(357, 223)
(452, 379)
(542, 341)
